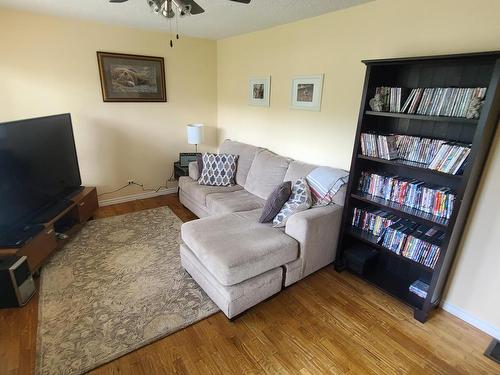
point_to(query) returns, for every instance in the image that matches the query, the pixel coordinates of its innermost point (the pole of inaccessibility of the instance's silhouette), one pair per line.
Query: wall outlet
(131, 182)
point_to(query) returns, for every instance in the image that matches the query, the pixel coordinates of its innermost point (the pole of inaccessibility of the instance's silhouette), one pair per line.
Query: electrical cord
(132, 183)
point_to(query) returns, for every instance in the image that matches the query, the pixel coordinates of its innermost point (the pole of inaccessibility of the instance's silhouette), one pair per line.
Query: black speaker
(16, 282)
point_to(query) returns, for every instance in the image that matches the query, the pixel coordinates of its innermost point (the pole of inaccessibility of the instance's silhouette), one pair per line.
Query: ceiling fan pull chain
(170, 27)
(177, 25)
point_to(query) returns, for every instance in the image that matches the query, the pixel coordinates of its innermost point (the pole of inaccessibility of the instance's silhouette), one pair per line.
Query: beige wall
(334, 44)
(48, 65)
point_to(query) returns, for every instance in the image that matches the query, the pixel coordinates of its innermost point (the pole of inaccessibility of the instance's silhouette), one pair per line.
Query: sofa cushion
(227, 202)
(298, 169)
(199, 162)
(276, 201)
(267, 172)
(194, 170)
(235, 247)
(246, 155)
(198, 193)
(218, 169)
(232, 299)
(300, 200)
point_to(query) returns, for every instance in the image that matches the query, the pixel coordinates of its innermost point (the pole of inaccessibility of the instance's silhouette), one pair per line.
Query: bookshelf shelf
(422, 117)
(371, 240)
(410, 165)
(402, 210)
(388, 271)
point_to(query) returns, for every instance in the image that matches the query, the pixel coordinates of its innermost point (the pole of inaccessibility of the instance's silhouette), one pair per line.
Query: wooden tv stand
(39, 248)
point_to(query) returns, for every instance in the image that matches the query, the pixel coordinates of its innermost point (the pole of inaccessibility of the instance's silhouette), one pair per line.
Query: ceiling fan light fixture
(155, 5)
(166, 10)
(183, 9)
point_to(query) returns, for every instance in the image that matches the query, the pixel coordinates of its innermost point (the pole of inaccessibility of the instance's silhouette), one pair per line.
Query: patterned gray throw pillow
(275, 202)
(218, 169)
(300, 200)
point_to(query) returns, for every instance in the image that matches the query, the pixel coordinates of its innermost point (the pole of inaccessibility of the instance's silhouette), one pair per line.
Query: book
(372, 221)
(423, 245)
(420, 288)
(450, 157)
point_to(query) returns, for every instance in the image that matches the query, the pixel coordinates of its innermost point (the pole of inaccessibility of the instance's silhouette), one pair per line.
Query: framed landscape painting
(306, 92)
(258, 91)
(131, 78)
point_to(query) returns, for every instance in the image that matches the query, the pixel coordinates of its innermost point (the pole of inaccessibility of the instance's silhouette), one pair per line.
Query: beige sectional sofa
(238, 261)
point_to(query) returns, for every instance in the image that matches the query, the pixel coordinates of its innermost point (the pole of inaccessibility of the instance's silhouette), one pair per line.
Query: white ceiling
(222, 18)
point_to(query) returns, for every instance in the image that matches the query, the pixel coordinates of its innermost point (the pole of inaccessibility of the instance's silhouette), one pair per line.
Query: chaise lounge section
(238, 261)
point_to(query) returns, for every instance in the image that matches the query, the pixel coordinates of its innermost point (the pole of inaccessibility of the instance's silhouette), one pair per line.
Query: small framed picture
(258, 91)
(306, 92)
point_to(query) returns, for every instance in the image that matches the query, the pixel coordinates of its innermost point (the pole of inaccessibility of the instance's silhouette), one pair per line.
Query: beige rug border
(38, 362)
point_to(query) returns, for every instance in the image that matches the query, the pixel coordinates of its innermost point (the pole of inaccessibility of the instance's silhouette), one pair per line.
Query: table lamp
(195, 134)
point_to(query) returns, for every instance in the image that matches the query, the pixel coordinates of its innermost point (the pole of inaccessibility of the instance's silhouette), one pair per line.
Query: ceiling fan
(172, 8)
(184, 7)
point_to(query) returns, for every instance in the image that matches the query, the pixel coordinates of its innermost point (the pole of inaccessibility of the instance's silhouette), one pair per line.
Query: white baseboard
(472, 320)
(135, 197)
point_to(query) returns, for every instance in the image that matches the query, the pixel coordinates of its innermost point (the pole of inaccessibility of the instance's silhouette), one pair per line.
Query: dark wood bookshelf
(422, 117)
(391, 272)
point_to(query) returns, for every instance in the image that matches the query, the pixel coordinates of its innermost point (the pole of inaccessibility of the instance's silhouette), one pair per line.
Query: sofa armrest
(317, 232)
(193, 170)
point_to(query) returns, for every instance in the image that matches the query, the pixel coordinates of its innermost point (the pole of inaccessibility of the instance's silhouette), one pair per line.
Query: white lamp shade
(195, 134)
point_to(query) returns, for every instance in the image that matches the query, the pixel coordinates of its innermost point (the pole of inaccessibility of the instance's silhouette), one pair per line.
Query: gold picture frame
(132, 78)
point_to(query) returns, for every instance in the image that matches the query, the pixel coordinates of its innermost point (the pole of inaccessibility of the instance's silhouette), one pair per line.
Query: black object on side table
(180, 170)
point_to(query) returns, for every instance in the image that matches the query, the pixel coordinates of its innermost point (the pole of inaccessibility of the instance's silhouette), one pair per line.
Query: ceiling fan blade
(117, 1)
(241, 1)
(195, 8)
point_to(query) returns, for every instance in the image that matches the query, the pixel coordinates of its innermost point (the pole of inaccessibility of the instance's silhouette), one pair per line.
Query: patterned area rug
(117, 286)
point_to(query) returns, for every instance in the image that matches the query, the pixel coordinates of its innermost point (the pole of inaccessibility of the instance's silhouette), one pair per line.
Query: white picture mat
(266, 81)
(317, 81)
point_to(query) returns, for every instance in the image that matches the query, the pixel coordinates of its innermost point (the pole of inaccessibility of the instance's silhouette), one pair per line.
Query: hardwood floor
(326, 323)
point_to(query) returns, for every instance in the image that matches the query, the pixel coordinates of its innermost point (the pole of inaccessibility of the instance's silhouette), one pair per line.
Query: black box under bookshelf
(393, 272)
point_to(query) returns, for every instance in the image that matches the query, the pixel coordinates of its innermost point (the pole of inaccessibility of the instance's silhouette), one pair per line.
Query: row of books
(417, 242)
(372, 221)
(431, 199)
(431, 101)
(420, 288)
(450, 158)
(437, 154)
(379, 146)
(442, 101)
(417, 149)
(421, 251)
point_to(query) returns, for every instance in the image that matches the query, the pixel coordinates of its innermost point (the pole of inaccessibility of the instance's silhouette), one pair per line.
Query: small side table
(179, 170)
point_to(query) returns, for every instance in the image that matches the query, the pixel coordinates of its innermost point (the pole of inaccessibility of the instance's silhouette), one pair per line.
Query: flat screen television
(38, 168)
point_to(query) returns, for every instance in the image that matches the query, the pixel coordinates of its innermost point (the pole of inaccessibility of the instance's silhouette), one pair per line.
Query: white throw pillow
(300, 200)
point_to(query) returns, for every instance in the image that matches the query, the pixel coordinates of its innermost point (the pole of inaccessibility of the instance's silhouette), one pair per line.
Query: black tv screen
(38, 167)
